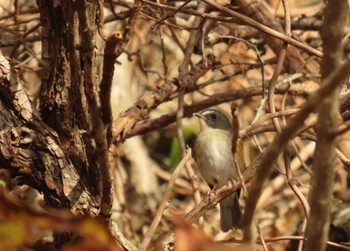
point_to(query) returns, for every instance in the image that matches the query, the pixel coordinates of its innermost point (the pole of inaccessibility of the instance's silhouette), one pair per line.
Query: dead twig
(280, 141)
(148, 235)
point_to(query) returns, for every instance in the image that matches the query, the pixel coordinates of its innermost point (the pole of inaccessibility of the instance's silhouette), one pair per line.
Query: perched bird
(213, 156)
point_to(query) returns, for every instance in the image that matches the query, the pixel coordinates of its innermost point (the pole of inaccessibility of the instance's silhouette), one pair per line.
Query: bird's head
(214, 119)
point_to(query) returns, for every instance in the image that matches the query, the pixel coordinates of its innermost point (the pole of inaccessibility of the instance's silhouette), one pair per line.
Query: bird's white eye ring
(213, 116)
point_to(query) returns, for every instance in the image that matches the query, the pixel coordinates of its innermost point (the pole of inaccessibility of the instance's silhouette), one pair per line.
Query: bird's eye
(213, 116)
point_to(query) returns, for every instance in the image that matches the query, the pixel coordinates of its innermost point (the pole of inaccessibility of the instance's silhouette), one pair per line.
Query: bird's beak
(199, 115)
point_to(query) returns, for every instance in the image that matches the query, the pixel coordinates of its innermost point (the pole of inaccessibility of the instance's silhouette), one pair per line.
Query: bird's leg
(231, 180)
(212, 192)
(238, 192)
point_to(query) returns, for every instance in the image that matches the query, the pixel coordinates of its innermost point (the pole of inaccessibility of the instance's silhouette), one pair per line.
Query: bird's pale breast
(214, 157)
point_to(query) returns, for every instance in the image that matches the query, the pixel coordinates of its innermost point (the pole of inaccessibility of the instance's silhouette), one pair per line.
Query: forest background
(96, 104)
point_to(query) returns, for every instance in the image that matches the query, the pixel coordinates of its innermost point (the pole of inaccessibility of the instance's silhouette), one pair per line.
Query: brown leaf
(22, 226)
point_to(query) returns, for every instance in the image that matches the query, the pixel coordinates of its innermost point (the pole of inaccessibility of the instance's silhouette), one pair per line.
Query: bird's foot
(231, 181)
(211, 195)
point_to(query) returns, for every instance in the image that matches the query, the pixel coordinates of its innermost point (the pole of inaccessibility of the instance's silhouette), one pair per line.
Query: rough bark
(31, 152)
(324, 160)
(68, 100)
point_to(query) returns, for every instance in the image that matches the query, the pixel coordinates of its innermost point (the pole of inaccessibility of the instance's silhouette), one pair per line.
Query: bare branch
(279, 143)
(324, 159)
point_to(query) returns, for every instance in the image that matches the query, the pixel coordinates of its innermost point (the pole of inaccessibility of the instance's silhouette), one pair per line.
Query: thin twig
(288, 170)
(180, 138)
(212, 199)
(289, 238)
(219, 98)
(280, 141)
(244, 19)
(263, 242)
(237, 147)
(148, 235)
(183, 78)
(265, 29)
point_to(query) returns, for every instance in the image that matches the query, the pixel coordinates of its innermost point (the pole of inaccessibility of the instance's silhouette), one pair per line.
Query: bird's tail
(230, 213)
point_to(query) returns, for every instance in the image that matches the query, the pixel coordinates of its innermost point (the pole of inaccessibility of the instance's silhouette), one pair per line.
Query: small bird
(213, 156)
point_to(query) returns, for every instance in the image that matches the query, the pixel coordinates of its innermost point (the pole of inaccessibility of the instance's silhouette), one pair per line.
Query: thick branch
(112, 50)
(212, 199)
(324, 159)
(122, 125)
(87, 28)
(31, 151)
(146, 126)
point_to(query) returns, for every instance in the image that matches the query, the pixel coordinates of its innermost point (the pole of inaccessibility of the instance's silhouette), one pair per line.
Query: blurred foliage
(21, 226)
(175, 152)
(142, 68)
